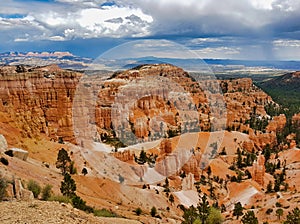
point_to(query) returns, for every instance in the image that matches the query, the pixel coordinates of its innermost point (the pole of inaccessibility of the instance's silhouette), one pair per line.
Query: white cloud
(217, 52)
(57, 38)
(80, 22)
(100, 20)
(286, 43)
(263, 4)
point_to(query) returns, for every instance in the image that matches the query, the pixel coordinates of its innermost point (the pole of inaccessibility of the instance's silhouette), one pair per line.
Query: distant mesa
(49, 54)
(38, 54)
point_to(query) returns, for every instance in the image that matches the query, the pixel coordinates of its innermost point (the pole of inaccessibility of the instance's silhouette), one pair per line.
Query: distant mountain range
(70, 61)
(62, 59)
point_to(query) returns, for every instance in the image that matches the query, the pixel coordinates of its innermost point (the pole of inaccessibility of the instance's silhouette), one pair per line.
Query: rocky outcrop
(192, 166)
(249, 146)
(15, 190)
(243, 98)
(277, 124)
(262, 139)
(124, 156)
(3, 144)
(188, 182)
(19, 153)
(165, 146)
(296, 119)
(38, 100)
(258, 170)
(21, 193)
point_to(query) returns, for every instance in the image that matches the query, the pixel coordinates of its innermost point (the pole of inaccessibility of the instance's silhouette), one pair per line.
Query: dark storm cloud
(229, 26)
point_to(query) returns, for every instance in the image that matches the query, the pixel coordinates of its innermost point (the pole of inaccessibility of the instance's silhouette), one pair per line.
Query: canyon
(185, 123)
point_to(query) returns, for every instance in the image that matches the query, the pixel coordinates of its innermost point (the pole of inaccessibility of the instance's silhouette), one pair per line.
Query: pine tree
(208, 171)
(153, 211)
(203, 208)
(238, 210)
(249, 218)
(239, 161)
(171, 199)
(267, 152)
(277, 185)
(63, 161)
(190, 215)
(293, 217)
(68, 186)
(279, 212)
(84, 171)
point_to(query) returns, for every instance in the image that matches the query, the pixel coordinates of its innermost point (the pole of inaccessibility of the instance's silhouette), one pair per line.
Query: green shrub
(77, 202)
(104, 213)
(34, 187)
(60, 198)
(153, 211)
(46, 192)
(138, 211)
(84, 171)
(4, 161)
(269, 211)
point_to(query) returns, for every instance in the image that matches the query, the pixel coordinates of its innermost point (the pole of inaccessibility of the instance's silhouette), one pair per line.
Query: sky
(227, 29)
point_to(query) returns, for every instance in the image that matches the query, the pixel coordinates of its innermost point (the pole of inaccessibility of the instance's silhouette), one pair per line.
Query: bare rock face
(3, 144)
(258, 170)
(248, 145)
(192, 166)
(21, 193)
(188, 182)
(19, 153)
(262, 139)
(124, 156)
(165, 146)
(277, 124)
(296, 119)
(38, 100)
(243, 98)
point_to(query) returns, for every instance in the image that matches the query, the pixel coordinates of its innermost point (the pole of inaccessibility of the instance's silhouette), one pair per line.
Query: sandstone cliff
(141, 104)
(38, 100)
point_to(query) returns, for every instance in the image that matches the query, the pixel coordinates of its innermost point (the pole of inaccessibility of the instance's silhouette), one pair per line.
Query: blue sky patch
(108, 4)
(12, 16)
(34, 0)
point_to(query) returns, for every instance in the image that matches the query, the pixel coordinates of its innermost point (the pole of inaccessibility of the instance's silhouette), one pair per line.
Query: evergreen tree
(239, 161)
(279, 212)
(238, 210)
(277, 185)
(293, 217)
(267, 152)
(153, 211)
(249, 218)
(171, 199)
(68, 186)
(84, 171)
(203, 209)
(63, 161)
(208, 171)
(190, 215)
